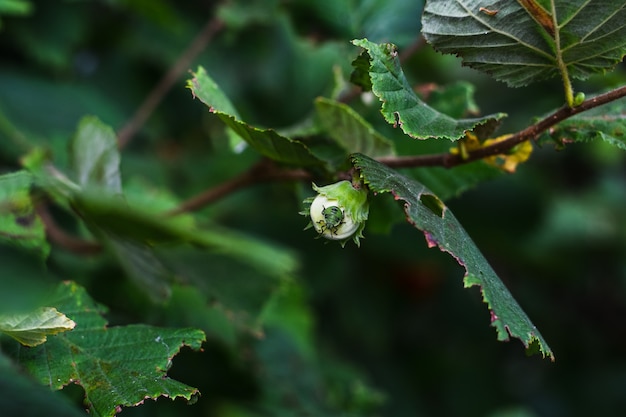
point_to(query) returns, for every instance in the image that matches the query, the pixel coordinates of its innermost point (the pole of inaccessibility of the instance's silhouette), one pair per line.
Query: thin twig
(61, 238)
(263, 171)
(532, 132)
(159, 91)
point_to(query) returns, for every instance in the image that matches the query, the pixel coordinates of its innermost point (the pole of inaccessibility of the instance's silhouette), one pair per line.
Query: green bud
(579, 98)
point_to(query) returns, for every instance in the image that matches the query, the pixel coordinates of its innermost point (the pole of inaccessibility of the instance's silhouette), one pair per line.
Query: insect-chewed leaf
(443, 230)
(116, 366)
(401, 106)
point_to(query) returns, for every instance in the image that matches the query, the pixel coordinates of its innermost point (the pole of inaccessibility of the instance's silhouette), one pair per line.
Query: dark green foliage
(156, 226)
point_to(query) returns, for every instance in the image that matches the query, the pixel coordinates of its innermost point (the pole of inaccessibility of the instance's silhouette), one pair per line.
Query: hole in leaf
(433, 203)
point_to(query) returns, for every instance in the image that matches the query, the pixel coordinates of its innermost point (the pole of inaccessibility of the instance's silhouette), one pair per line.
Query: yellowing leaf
(31, 329)
(508, 162)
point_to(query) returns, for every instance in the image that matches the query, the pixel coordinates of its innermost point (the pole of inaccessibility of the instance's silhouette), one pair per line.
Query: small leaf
(32, 329)
(20, 226)
(265, 141)
(401, 106)
(95, 156)
(443, 230)
(116, 366)
(350, 130)
(528, 40)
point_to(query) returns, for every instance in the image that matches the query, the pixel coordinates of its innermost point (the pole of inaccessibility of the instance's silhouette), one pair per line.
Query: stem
(61, 238)
(126, 133)
(567, 83)
(264, 171)
(530, 133)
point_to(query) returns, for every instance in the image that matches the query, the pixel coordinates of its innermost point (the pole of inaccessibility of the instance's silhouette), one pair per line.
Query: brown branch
(532, 132)
(264, 171)
(59, 237)
(126, 133)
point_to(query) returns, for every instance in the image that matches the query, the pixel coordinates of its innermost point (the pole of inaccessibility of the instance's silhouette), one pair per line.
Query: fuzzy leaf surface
(116, 366)
(265, 141)
(401, 106)
(522, 44)
(426, 212)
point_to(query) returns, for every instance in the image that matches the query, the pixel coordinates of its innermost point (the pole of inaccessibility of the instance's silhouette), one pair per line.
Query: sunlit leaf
(33, 328)
(427, 213)
(521, 42)
(401, 107)
(116, 366)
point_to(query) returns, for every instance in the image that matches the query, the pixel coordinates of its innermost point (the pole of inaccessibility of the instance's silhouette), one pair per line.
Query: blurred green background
(382, 330)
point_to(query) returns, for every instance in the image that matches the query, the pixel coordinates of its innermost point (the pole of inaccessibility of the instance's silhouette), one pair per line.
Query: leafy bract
(32, 329)
(20, 226)
(116, 366)
(401, 106)
(520, 42)
(265, 141)
(427, 213)
(607, 122)
(350, 131)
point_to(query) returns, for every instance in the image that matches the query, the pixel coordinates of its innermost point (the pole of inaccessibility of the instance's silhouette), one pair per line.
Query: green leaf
(401, 107)
(24, 280)
(24, 397)
(95, 156)
(350, 131)
(237, 272)
(142, 267)
(378, 20)
(31, 329)
(427, 213)
(520, 45)
(20, 226)
(607, 123)
(116, 366)
(265, 141)
(112, 215)
(456, 100)
(16, 7)
(447, 183)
